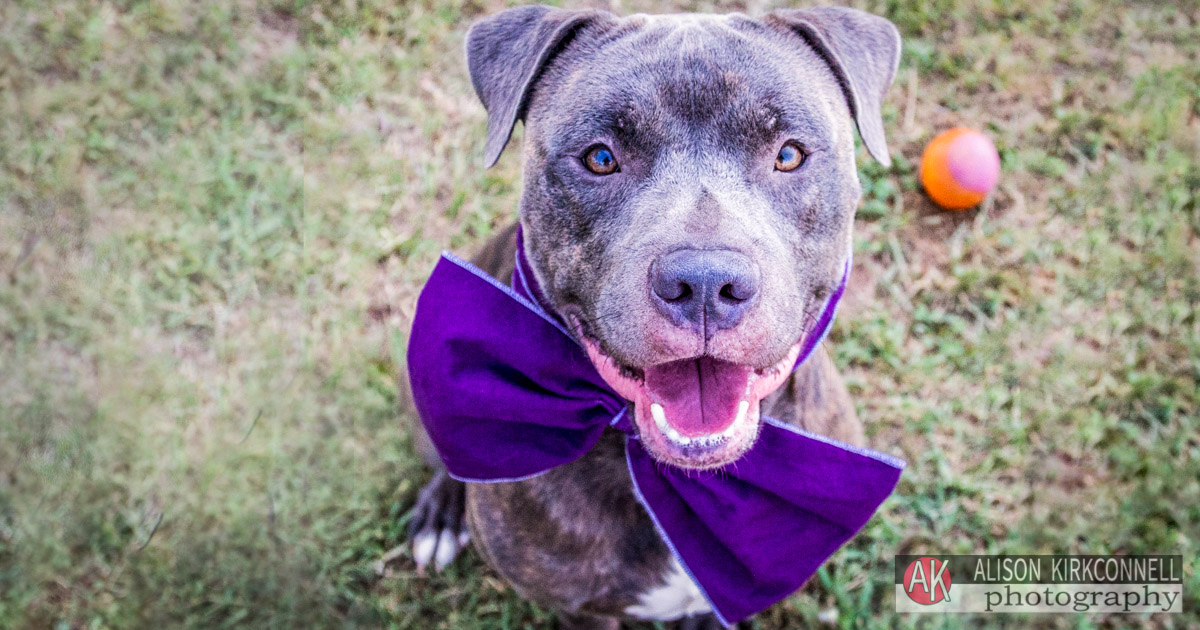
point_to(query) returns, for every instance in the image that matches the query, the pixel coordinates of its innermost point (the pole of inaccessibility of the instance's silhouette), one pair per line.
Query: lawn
(215, 218)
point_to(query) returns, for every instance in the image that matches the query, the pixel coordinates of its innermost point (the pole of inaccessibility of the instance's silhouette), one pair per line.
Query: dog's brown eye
(600, 160)
(790, 157)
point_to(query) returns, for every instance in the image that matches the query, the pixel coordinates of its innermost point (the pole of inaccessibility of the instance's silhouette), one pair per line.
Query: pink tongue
(699, 396)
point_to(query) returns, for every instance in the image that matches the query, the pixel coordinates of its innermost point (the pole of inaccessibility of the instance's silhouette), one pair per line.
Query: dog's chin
(697, 413)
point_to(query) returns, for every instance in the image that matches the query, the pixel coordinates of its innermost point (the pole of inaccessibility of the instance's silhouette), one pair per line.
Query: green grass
(215, 217)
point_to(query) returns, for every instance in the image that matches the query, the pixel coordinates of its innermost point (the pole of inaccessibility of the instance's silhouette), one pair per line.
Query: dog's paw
(438, 530)
(700, 622)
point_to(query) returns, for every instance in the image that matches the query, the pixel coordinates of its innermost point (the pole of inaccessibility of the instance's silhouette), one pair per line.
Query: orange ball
(959, 168)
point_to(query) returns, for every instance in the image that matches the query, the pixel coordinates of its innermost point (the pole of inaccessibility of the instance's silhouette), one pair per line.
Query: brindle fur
(695, 108)
(575, 539)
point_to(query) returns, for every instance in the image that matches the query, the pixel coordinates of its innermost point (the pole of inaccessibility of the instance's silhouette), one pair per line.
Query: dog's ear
(863, 50)
(505, 54)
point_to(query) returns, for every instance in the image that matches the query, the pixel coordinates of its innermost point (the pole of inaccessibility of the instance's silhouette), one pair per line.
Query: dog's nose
(704, 289)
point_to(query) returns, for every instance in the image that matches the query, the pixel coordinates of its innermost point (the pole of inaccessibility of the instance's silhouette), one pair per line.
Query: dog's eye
(790, 157)
(600, 160)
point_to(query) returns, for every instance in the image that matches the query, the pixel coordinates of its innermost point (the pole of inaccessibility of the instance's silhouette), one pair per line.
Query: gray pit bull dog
(689, 195)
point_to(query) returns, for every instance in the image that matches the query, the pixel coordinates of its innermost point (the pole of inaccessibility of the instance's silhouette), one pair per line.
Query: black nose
(708, 290)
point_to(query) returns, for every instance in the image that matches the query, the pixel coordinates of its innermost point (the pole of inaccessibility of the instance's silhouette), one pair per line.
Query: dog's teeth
(660, 416)
(660, 421)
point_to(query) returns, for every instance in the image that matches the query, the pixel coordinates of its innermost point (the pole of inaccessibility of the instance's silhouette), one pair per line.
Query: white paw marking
(447, 548)
(677, 597)
(423, 547)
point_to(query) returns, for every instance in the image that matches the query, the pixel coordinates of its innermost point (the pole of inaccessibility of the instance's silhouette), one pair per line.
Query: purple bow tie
(506, 394)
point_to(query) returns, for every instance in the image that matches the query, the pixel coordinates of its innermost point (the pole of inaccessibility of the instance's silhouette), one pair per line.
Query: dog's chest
(676, 597)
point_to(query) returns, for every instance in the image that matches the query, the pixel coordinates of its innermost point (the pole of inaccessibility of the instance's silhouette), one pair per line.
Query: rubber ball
(959, 168)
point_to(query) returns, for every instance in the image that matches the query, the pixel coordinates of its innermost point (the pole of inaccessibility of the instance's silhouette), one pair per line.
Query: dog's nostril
(711, 289)
(729, 292)
(673, 292)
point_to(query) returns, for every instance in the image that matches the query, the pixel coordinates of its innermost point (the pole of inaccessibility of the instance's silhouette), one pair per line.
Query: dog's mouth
(697, 413)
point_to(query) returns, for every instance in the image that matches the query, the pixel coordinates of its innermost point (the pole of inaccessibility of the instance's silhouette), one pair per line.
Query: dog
(689, 193)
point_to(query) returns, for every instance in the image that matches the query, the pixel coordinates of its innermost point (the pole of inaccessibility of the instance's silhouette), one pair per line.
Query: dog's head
(690, 189)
